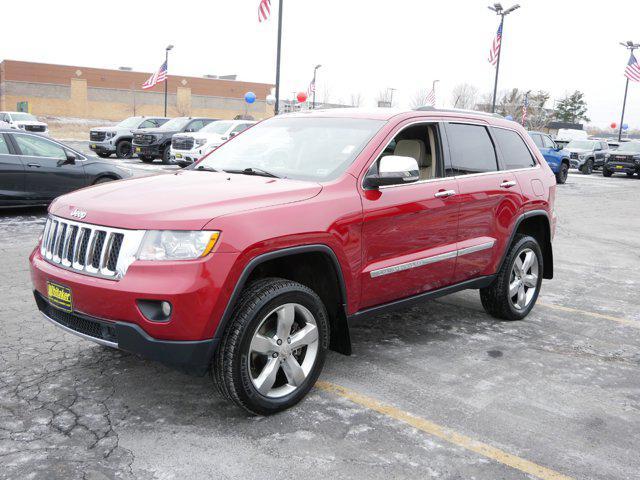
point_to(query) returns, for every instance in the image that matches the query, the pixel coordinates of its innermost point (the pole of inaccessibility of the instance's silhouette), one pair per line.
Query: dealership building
(82, 92)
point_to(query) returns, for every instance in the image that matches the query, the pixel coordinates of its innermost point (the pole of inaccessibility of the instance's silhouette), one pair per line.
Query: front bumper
(190, 356)
(196, 290)
(186, 157)
(102, 147)
(148, 150)
(622, 167)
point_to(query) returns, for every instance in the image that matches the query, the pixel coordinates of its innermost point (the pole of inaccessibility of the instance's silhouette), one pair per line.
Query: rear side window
(514, 150)
(472, 150)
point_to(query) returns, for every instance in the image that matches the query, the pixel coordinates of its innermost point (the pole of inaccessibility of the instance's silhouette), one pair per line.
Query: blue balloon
(249, 97)
(625, 126)
(509, 117)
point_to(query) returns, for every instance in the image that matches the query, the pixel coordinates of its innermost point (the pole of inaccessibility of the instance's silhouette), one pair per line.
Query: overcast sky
(363, 45)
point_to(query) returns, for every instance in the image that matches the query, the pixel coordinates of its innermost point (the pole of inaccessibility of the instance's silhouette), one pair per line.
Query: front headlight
(176, 244)
(581, 157)
(201, 141)
(110, 134)
(21, 127)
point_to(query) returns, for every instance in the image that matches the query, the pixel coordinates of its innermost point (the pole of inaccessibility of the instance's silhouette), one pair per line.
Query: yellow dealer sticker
(60, 296)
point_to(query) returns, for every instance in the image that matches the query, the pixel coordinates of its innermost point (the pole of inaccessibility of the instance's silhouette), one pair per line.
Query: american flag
(264, 10)
(431, 98)
(632, 72)
(158, 77)
(494, 53)
(525, 106)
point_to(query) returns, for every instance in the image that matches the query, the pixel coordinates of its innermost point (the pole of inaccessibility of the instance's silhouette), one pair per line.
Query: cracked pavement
(561, 388)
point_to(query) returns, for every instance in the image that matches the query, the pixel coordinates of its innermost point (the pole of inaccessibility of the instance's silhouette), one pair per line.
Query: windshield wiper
(254, 171)
(206, 169)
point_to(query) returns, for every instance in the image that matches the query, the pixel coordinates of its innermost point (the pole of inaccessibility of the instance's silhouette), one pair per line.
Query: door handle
(444, 193)
(36, 165)
(508, 184)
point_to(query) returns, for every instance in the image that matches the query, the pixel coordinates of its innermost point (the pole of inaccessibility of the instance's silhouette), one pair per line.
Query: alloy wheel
(283, 350)
(523, 281)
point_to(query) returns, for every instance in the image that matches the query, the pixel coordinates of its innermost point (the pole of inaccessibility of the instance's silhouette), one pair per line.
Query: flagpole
(624, 104)
(276, 109)
(166, 80)
(495, 82)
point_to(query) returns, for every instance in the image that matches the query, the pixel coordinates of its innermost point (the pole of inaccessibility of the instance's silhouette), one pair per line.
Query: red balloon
(302, 97)
(614, 125)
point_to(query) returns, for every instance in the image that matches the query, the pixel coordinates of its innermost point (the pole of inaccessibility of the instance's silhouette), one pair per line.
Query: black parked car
(35, 169)
(626, 159)
(152, 143)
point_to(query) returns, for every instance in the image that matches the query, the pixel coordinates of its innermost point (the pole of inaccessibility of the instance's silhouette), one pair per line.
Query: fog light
(155, 310)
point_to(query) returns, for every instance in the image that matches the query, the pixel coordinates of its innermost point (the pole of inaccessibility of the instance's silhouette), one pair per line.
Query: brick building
(68, 91)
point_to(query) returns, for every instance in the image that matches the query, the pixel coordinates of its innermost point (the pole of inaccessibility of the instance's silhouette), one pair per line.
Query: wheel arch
(535, 223)
(128, 138)
(315, 266)
(111, 176)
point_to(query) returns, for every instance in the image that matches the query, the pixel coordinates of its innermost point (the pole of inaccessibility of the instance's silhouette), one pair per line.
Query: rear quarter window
(515, 152)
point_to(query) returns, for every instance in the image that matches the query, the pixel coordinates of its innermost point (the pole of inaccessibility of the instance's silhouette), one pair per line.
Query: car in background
(35, 169)
(626, 159)
(554, 154)
(152, 143)
(24, 121)
(188, 148)
(587, 155)
(106, 141)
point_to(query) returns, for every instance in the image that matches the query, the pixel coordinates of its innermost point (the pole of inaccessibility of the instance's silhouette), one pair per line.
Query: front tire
(561, 176)
(587, 168)
(274, 347)
(146, 159)
(629, 174)
(103, 154)
(606, 172)
(515, 290)
(166, 156)
(124, 149)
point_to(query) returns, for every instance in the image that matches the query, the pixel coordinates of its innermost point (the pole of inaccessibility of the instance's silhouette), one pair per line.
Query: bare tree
(385, 98)
(419, 98)
(356, 99)
(465, 96)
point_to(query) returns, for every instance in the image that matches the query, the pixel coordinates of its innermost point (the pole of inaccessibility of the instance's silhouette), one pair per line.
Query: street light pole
(391, 99)
(502, 13)
(315, 70)
(631, 47)
(166, 82)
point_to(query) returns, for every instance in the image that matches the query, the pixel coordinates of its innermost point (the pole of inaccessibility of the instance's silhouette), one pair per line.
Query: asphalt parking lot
(439, 391)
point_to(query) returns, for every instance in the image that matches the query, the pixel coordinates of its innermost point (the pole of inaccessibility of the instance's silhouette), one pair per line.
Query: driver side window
(39, 147)
(148, 124)
(420, 142)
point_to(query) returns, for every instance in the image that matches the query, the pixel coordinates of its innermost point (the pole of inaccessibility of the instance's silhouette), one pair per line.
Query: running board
(476, 283)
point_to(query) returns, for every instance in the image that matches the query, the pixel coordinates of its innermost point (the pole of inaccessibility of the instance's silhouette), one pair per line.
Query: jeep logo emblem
(79, 214)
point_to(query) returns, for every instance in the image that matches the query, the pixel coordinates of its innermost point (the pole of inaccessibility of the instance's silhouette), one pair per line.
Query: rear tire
(561, 176)
(124, 149)
(515, 290)
(256, 365)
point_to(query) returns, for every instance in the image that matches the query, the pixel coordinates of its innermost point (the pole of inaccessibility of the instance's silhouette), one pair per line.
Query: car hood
(186, 200)
(209, 137)
(154, 130)
(576, 150)
(29, 122)
(106, 129)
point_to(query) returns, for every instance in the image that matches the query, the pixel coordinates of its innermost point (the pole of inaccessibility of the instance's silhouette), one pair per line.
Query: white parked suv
(187, 148)
(24, 121)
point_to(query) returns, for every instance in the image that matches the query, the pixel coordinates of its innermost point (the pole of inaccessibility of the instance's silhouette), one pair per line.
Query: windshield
(175, 124)
(217, 127)
(581, 144)
(131, 122)
(23, 117)
(629, 147)
(317, 149)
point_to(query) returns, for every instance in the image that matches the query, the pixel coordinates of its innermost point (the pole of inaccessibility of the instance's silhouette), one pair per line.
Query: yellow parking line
(445, 433)
(622, 321)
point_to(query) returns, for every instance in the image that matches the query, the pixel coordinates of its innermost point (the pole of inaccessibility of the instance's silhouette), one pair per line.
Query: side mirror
(70, 160)
(233, 134)
(558, 147)
(394, 170)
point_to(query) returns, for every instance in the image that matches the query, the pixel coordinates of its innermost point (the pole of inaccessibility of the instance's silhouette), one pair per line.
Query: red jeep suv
(250, 263)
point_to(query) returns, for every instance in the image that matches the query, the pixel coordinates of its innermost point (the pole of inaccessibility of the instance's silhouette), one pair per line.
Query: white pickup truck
(187, 148)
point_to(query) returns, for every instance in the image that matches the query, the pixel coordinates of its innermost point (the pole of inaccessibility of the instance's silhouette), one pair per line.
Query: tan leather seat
(415, 149)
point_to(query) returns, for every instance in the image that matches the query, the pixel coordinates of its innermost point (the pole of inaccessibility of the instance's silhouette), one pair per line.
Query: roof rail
(428, 108)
